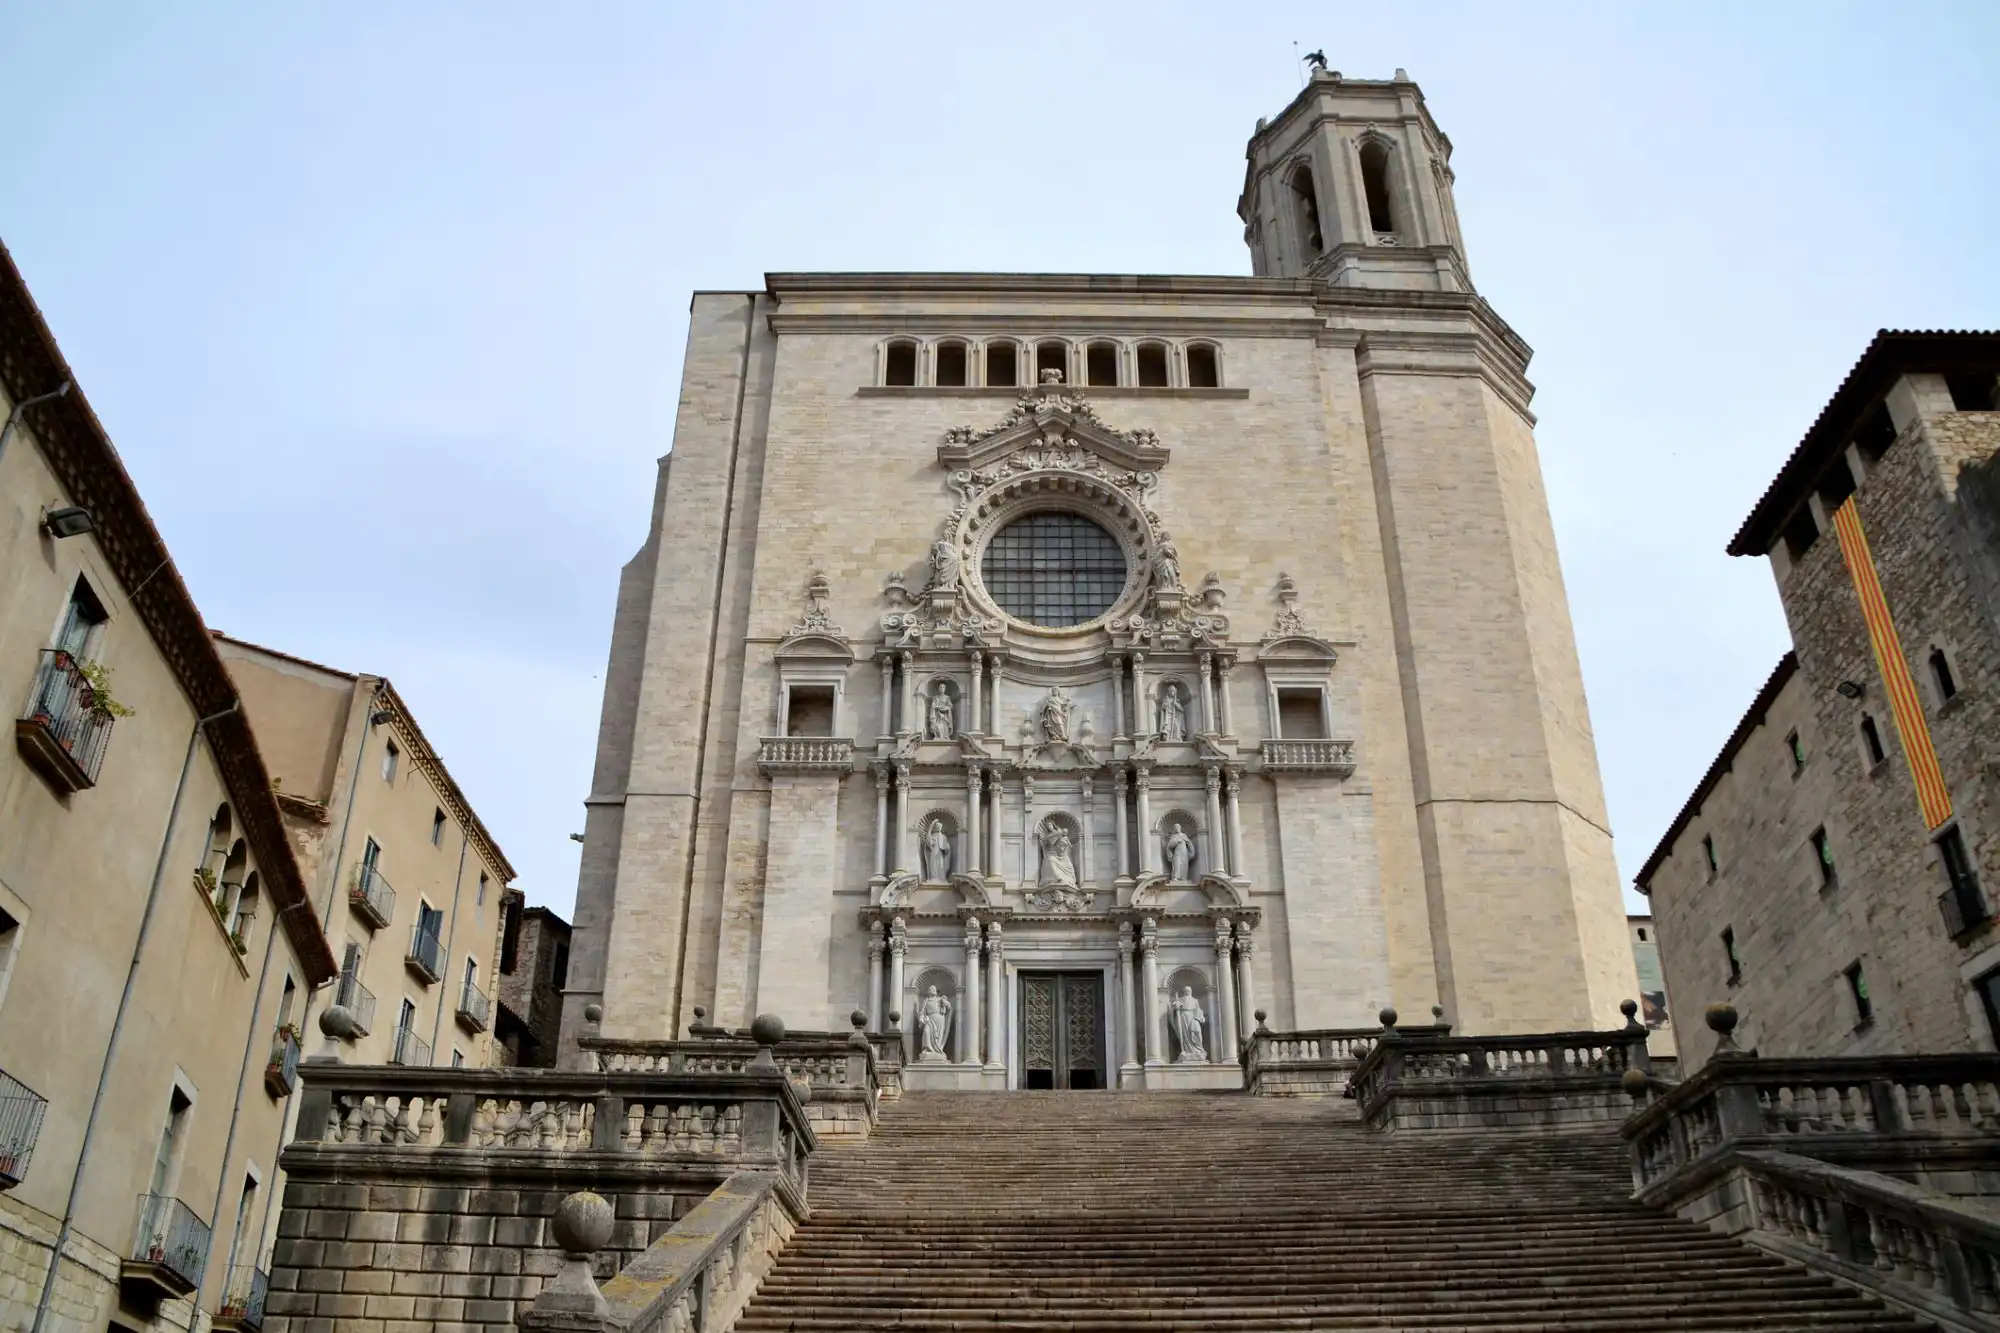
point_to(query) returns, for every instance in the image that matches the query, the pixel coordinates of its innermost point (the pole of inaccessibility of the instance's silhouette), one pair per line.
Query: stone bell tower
(1351, 184)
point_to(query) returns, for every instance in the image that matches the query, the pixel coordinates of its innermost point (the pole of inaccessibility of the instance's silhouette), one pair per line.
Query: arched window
(229, 885)
(899, 363)
(1002, 362)
(1054, 356)
(1100, 364)
(1203, 367)
(951, 365)
(1375, 186)
(214, 852)
(1305, 207)
(1152, 366)
(245, 910)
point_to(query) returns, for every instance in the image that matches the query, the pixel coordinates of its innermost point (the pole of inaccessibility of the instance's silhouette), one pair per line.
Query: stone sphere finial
(1630, 1008)
(593, 1012)
(1437, 1013)
(1721, 1020)
(1388, 1017)
(583, 1224)
(859, 1018)
(337, 1023)
(767, 1029)
(895, 1020)
(1635, 1083)
(1260, 1017)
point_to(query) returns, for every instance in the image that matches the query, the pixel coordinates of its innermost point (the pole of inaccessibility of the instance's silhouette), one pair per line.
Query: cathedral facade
(1063, 669)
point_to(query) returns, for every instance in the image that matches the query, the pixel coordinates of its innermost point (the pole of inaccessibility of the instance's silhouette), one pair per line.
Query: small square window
(1729, 952)
(1823, 854)
(1871, 742)
(437, 828)
(1857, 989)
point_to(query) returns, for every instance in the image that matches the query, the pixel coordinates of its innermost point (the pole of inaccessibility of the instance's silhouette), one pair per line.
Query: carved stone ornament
(818, 620)
(1056, 732)
(1057, 889)
(897, 890)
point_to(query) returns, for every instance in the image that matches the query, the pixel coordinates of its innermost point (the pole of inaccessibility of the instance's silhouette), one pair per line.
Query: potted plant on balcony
(96, 694)
(204, 879)
(241, 944)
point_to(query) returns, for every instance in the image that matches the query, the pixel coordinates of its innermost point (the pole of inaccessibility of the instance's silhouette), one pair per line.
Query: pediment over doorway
(1057, 429)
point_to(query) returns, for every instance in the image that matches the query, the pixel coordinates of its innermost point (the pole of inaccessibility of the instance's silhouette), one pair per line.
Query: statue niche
(1177, 848)
(1056, 886)
(1187, 1015)
(936, 836)
(1173, 713)
(941, 713)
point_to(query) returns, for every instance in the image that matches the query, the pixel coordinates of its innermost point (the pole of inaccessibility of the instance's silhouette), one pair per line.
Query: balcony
(358, 1000)
(370, 897)
(243, 1299)
(410, 1049)
(168, 1251)
(1964, 906)
(281, 1074)
(21, 1110)
(65, 732)
(1334, 758)
(474, 1009)
(426, 956)
(805, 754)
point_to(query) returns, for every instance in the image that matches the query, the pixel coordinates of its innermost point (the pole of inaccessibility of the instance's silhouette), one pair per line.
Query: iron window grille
(1053, 569)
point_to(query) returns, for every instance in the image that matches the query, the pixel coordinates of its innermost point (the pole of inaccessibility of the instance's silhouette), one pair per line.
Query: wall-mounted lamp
(69, 521)
(1849, 689)
(380, 716)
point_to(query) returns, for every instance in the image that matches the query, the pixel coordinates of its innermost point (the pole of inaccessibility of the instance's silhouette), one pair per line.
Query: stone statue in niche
(1179, 850)
(1187, 1020)
(1056, 887)
(937, 853)
(942, 724)
(1054, 717)
(933, 1025)
(1167, 568)
(1173, 713)
(944, 566)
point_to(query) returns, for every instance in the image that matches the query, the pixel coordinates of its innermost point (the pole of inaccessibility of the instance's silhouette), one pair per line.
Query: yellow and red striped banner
(1933, 798)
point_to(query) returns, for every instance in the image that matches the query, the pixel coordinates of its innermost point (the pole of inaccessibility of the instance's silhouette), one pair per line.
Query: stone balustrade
(1546, 1081)
(1318, 1062)
(1335, 758)
(805, 754)
(838, 1078)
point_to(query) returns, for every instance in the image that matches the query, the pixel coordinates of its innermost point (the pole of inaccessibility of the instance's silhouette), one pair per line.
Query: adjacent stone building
(1075, 665)
(534, 968)
(404, 875)
(1832, 874)
(158, 946)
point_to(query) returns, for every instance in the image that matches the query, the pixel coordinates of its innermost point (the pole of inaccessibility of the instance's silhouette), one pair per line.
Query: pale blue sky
(384, 305)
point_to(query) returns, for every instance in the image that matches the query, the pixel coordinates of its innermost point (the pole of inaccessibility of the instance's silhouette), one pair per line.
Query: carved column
(1128, 1034)
(1211, 847)
(975, 704)
(1087, 867)
(1149, 846)
(1124, 834)
(1225, 993)
(1117, 696)
(1207, 668)
(1149, 946)
(909, 721)
(1233, 783)
(882, 866)
(1246, 1009)
(975, 849)
(996, 998)
(1142, 698)
(898, 943)
(904, 851)
(968, 997)
(992, 866)
(1028, 844)
(888, 665)
(1222, 665)
(874, 978)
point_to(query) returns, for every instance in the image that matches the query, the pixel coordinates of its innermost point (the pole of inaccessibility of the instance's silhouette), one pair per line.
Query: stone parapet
(1561, 1080)
(837, 1078)
(1319, 1063)
(420, 1198)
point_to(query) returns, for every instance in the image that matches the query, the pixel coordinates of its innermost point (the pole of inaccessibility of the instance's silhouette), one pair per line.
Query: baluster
(427, 1125)
(378, 1120)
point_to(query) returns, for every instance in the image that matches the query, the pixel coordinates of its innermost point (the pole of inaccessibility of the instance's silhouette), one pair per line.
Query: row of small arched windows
(224, 874)
(1007, 362)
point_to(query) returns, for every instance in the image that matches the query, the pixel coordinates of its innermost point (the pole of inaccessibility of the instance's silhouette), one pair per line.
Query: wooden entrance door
(1062, 1030)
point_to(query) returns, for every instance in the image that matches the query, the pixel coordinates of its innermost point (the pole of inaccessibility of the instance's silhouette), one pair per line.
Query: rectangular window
(1301, 715)
(437, 828)
(430, 920)
(1000, 364)
(1729, 952)
(480, 901)
(1823, 854)
(1941, 676)
(1988, 987)
(245, 1202)
(390, 754)
(809, 710)
(457, 1059)
(559, 971)
(1152, 366)
(1798, 752)
(1871, 742)
(78, 632)
(1708, 853)
(406, 1016)
(168, 1157)
(1857, 987)
(1963, 905)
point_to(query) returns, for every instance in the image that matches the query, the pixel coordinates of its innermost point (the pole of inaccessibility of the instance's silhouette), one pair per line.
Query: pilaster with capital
(1213, 839)
(906, 851)
(975, 846)
(1223, 665)
(1149, 846)
(888, 665)
(1118, 697)
(875, 947)
(1246, 1009)
(1088, 850)
(996, 998)
(1209, 721)
(1118, 784)
(1128, 1034)
(1225, 992)
(882, 866)
(975, 704)
(908, 719)
(899, 943)
(1156, 1023)
(968, 997)
(1142, 698)
(1232, 781)
(1029, 865)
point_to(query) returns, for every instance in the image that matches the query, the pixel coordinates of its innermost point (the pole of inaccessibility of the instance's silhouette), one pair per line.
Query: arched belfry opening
(1305, 207)
(1375, 186)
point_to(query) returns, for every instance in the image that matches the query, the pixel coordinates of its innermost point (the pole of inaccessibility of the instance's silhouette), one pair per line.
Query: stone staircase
(1155, 1211)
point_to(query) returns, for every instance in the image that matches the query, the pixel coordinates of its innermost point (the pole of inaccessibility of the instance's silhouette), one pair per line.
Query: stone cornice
(1078, 325)
(1127, 286)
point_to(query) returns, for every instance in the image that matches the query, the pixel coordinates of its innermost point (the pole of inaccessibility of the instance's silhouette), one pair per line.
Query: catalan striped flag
(1933, 798)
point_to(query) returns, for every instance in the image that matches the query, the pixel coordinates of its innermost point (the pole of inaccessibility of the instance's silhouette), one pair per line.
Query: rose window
(1053, 569)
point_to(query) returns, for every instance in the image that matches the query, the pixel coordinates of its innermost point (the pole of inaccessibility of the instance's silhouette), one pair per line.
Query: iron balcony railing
(371, 897)
(281, 1074)
(21, 1110)
(172, 1239)
(358, 1000)
(243, 1298)
(410, 1049)
(474, 1009)
(65, 730)
(426, 956)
